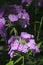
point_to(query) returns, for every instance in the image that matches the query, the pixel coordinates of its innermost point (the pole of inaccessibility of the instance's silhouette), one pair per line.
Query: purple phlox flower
(32, 46)
(24, 19)
(20, 44)
(20, 15)
(37, 49)
(11, 53)
(2, 10)
(31, 43)
(2, 19)
(15, 45)
(12, 47)
(2, 22)
(25, 49)
(3, 33)
(25, 35)
(20, 47)
(13, 17)
(2, 27)
(15, 8)
(12, 39)
(18, 8)
(28, 1)
(40, 3)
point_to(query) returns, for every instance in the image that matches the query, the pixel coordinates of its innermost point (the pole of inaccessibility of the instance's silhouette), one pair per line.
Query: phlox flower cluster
(23, 43)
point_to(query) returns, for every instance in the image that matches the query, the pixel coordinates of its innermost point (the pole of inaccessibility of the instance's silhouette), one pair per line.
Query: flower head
(20, 48)
(25, 35)
(20, 43)
(13, 17)
(24, 19)
(2, 10)
(2, 22)
(40, 3)
(2, 27)
(19, 14)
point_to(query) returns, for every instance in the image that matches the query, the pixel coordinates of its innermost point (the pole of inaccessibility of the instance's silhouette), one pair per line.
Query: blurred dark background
(36, 13)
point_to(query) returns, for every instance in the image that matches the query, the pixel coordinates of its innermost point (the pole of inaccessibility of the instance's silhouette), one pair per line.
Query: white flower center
(23, 17)
(25, 26)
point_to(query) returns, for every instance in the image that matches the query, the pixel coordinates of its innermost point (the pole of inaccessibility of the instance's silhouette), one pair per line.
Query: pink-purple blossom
(13, 17)
(24, 19)
(28, 1)
(25, 49)
(20, 47)
(19, 14)
(14, 46)
(26, 35)
(2, 27)
(2, 22)
(2, 11)
(20, 43)
(11, 53)
(40, 3)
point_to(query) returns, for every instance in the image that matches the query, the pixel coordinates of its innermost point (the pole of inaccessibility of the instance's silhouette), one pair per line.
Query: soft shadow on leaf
(39, 44)
(18, 60)
(10, 63)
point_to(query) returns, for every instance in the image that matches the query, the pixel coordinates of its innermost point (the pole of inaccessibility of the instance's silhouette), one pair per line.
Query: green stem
(22, 60)
(35, 29)
(15, 31)
(39, 29)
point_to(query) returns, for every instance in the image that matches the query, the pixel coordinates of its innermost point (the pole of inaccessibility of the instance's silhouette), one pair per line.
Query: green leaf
(13, 30)
(1, 39)
(17, 60)
(39, 44)
(30, 53)
(21, 64)
(10, 63)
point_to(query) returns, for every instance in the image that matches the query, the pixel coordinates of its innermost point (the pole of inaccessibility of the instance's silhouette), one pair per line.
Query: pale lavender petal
(12, 54)
(2, 10)
(13, 17)
(37, 49)
(2, 22)
(25, 49)
(20, 47)
(11, 39)
(2, 27)
(40, 3)
(3, 32)
(31, 44)
(24, 18)
(14, 46)
(32, 41)
(26, 1)
(26, 35)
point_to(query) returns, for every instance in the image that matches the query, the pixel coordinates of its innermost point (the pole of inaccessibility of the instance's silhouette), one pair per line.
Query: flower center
(22, 41)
